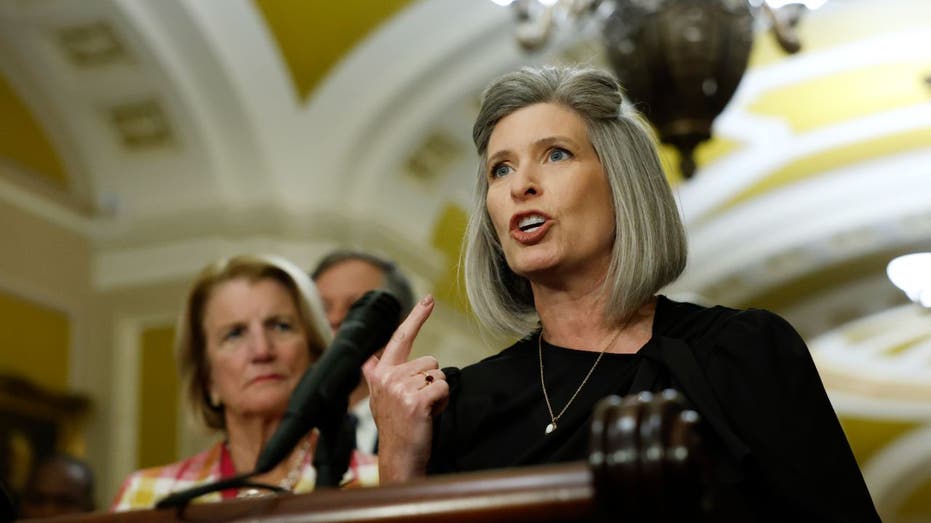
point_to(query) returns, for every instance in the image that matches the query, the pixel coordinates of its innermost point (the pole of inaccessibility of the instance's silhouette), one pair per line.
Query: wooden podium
(644, 464)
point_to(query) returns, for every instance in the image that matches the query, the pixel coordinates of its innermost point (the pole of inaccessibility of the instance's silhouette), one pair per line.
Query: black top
(779, 448)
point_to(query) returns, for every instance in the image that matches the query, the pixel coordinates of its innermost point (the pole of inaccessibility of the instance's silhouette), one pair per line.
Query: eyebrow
(542, 142)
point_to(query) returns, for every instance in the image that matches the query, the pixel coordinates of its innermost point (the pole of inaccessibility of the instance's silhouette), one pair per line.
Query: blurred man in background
(342, 277)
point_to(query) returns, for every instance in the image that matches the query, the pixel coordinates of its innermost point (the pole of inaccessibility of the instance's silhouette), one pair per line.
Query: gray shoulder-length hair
(191, 340)
(650, 243)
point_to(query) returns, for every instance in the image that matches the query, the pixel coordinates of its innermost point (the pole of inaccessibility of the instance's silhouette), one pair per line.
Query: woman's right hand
(404, 397)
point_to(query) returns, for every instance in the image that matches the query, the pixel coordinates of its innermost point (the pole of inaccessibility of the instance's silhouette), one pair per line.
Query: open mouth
(531, 222)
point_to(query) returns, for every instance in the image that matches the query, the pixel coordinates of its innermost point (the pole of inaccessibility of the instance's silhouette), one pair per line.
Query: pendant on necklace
(551, 427)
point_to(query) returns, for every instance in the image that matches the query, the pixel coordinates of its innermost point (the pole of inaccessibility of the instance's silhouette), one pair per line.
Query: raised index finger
(399, 346)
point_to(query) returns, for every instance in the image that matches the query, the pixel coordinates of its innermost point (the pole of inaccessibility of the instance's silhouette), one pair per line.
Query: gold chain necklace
(552, 426)
(297, 467)
(291, 479)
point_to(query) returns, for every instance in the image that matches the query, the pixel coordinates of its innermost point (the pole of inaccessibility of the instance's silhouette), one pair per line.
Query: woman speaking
(573, 232)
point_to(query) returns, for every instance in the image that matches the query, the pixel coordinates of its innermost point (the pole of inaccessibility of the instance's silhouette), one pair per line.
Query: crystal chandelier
(679, 61)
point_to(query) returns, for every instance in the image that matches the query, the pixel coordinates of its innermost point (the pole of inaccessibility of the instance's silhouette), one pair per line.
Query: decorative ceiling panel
(314, 36)
(141, 125)
(93, 44)
(435, 156)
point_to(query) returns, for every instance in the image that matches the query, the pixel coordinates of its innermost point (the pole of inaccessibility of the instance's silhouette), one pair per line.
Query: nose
(525, 182)
(263, 347)
(335, 315)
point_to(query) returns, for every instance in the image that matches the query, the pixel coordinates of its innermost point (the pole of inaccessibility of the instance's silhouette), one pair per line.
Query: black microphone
(320, 398)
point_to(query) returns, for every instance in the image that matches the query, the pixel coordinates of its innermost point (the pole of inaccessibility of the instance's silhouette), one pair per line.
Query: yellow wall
(36, 342)
(447, 238)
(157, 442)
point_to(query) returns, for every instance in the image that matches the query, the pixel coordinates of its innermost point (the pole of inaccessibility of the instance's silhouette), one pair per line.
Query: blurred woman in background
(251, 327)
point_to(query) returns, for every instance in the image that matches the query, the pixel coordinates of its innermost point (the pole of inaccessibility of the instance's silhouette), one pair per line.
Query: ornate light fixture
(680, 61)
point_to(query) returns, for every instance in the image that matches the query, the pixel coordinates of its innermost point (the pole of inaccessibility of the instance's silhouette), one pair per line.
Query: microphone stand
(334, 451)
(183, 497)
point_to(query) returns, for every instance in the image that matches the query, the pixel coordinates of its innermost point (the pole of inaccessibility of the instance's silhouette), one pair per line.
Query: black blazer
(779, 449)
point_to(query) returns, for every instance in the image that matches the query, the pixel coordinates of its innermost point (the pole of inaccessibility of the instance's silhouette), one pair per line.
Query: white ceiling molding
(802, 217)
(57, 210)
(180, 260)
(900, 46)
(16, 64)
(233, 76)
(825, 311)
(768, 143)
(223, 61)
(771, 146)
(301, 238)
(78, 99)
(225, 164)
(900, 468)
(880, 365)
(443, 64)
(396, 83)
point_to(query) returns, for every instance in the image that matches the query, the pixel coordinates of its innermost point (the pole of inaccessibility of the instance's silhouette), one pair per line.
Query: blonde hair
(190, 341)
(650, 243)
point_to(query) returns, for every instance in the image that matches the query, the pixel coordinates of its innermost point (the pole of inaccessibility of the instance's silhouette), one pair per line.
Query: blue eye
(559, 154)
(282, 325)
(500, 170)
(234, 332)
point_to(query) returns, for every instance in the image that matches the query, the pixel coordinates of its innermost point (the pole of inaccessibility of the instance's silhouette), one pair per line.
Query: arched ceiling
(170, 132)
(166, 121)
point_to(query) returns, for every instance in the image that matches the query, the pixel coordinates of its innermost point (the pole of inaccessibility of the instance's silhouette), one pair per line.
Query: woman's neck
(577, 319)
(246, 439)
